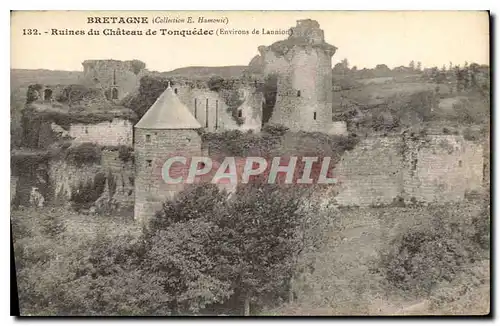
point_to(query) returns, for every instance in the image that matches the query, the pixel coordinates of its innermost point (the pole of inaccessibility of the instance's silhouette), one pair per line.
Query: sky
(365, 38)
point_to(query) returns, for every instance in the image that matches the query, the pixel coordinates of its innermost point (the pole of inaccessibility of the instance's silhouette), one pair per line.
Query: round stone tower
(167, 130)
(303, 64)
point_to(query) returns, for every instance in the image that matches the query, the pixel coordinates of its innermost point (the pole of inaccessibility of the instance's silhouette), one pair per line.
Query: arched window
(114, 94)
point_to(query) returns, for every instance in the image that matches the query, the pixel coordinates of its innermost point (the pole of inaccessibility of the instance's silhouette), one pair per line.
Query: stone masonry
(434, 168)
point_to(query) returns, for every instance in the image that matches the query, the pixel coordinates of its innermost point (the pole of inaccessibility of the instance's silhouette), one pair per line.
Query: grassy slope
(200, 72)
(343, 282)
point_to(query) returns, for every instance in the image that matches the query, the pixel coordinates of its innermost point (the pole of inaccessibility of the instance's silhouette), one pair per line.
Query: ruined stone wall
(13, 187)
(150, 189)
(65, 178)
(106, 73)
(440, 168)
(371, 173)
(211, 110)
(435, 168)
(109, 133)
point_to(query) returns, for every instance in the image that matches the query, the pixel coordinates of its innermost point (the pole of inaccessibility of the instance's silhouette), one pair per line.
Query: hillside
(224, 72)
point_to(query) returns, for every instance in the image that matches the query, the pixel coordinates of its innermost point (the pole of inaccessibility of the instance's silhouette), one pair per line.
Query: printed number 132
(30, 32)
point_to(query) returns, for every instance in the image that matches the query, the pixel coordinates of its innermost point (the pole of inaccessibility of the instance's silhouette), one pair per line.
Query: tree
(345, 63)
(412, 65)
(137, 66)
(181, 251)
(215, 83)
(204, 249)
(260, 243)
(419, 66)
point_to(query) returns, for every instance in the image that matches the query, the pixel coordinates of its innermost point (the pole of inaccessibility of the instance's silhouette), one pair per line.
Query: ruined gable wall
(205, 104)
(114, 133)
(99, 73)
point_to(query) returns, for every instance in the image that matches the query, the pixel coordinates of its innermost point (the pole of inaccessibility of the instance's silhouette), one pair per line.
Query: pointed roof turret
(168, 112)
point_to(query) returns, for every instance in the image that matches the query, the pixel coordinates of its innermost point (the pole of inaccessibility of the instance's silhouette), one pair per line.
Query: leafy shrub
(88, 192)
(422, 257)
(77, 93)
(52, 226)
(422, 102)
(126, 153)
(33, 93)
(215, 83)
(84, 153)
(137, 66)
(275, 130)
(482, 228)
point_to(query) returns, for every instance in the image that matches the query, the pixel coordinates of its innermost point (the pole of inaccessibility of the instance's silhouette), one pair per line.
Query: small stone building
(167, 130)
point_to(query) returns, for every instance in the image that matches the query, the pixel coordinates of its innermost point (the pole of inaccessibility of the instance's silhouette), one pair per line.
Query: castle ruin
(167, 130)
(116, 78)
(303, 66)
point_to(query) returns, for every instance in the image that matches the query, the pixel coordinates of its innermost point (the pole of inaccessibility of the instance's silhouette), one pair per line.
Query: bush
(137, 66)
(423, 257)
(84, 196)
(482, 228)
(84, 153)
(275, 130)
(33, 93)
(126, 153)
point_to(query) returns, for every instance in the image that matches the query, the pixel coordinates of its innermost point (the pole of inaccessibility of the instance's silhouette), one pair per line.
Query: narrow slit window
(149, 163)
(298, 93)
(240, 113)
(206, 113)
(314, 116)
(148, 138)
(175, 90)
(195, 108)
(460, 164)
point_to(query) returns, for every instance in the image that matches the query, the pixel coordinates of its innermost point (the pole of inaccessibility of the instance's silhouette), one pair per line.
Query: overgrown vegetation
(84, 153)
(76, 93)
(200, 252)
(230, 94)
(275, 140)
(425, 256)
(137, 66)
(87, 192)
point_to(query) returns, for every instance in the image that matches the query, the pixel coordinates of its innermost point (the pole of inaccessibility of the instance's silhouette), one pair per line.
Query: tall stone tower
(303, 65)
(167, 130)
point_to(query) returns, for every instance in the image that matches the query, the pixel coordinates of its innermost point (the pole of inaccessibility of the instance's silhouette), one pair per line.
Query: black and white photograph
(250, 163)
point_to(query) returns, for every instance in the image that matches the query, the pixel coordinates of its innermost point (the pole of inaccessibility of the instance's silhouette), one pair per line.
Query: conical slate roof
(168, 112)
